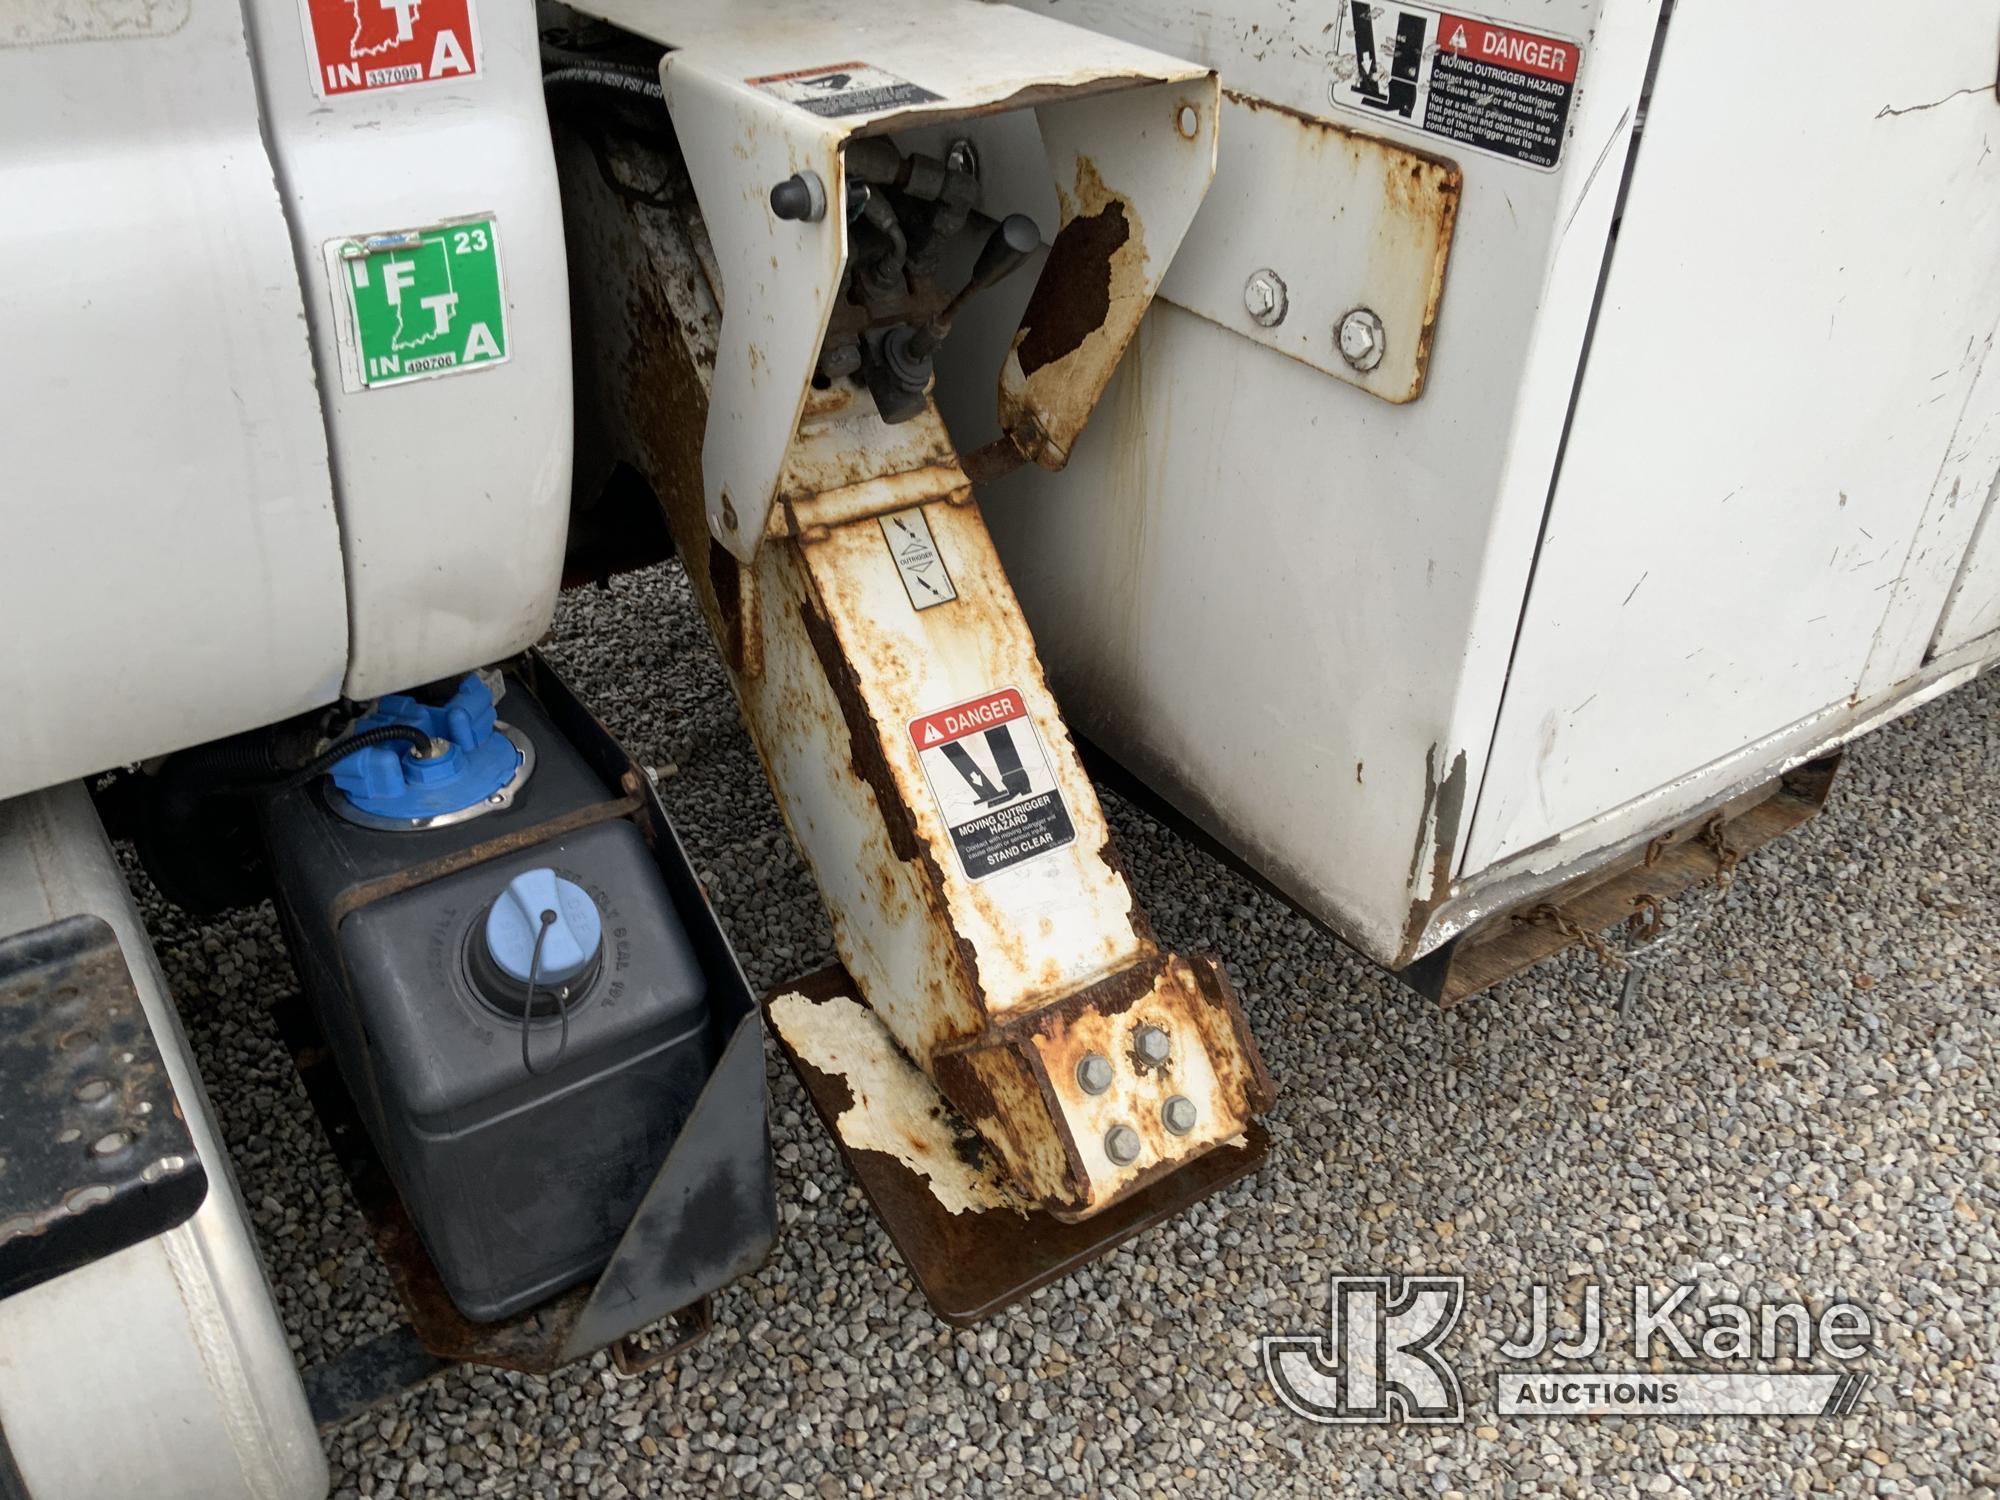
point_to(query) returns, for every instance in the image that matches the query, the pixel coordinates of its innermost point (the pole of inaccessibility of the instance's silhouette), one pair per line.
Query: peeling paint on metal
(1093, 289)
(896, 1109)
(1438, 827)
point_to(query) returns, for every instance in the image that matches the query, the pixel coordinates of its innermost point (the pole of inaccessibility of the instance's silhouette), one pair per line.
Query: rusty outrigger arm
(897, 700)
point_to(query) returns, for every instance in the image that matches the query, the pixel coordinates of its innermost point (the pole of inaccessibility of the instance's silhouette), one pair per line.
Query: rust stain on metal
(1412, 227)
(864, 738)
(812, 518)
(725, 581)
(1067, 308)
(998, 1089)
(994, 460)
(991, 642)
(842, 458)
(354, 898)
(1509, 940)
(1142, 926)
(1086, 305)
(972, 1265)
(1212, 1061)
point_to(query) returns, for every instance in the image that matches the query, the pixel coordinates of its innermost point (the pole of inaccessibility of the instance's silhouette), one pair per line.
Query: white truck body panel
(1289, 604)
(1973, 612)
(1777, 377)
(169, 557)
(454, 490)
(1305, 615)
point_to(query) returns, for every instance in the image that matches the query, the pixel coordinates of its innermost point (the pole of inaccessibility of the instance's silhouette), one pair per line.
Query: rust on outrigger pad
(972, 1247)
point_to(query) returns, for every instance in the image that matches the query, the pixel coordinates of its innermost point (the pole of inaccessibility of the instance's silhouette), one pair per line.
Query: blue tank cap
(468, 761)
(517, 916)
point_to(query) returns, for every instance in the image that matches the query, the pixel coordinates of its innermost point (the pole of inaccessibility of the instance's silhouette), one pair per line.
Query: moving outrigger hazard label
(840, 89)
(991, 777)
(1495, 88)
(418, 303)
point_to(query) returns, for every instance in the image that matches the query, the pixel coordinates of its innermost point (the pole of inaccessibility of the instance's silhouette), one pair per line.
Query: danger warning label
(1491, 87)
(993, 783)
(838, 89)
(358, 45)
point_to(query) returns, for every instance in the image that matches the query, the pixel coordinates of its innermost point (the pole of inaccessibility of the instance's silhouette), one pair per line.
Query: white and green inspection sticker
(419, 302)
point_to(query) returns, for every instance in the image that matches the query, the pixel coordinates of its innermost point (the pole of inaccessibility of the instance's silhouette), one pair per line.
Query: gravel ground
(1801, 1106)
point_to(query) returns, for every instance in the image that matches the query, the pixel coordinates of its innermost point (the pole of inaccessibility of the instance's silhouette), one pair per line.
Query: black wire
(528, 1005)
(332, 755)
(340, 749)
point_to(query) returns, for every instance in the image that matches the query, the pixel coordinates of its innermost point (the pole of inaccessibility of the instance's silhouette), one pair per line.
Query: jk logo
(1378, 1360)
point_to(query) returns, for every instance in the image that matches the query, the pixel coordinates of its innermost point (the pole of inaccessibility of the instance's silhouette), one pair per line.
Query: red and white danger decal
(992, 781)
(1494, 88)
(358, 45)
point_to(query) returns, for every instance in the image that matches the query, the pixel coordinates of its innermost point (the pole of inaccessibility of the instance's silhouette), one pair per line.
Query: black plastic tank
(511, 997)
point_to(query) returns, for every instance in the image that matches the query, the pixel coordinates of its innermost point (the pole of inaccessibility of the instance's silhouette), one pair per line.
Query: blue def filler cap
(471, 764)
(573, 938)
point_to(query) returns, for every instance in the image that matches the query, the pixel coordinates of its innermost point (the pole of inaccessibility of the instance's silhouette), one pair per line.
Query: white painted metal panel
(1916, 614)
(1311, 266)
(1285, 602)
(1974, 610)
(1797, 309)
(161, 1370)
(169, 562)
(454, 491)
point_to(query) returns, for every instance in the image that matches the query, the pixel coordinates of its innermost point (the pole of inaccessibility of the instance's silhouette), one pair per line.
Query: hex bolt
(1362, 339)
(962, 156)
(1264, 298)
(1093, 1073)
(1152, 1045)
(1178, 1114)
(1121, 1144)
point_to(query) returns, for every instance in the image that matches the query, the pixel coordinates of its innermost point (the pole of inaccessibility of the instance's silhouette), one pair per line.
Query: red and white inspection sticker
(356, 46)
(1495, 88)
(991, 778)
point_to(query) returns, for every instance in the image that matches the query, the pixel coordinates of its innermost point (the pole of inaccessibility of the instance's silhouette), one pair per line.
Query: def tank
(524, 1036)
